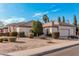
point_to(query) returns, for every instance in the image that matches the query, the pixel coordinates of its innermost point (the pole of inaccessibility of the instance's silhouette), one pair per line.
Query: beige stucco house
(19, 27)
(65, 29)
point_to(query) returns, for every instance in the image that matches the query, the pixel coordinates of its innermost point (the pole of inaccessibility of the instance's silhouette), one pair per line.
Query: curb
(55, 50)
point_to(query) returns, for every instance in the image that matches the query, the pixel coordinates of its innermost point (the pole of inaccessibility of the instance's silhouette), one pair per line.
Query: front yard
(27, 43)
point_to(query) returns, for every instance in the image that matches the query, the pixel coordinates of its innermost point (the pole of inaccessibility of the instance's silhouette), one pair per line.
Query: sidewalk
(38, 51)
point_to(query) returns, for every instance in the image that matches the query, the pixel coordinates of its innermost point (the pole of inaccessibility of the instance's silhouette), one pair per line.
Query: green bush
(13, 34)
(37, 28)
(21, 34)
(55, 35)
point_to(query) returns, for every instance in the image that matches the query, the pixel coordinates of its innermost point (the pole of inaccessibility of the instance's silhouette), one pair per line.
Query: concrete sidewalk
(38, 51)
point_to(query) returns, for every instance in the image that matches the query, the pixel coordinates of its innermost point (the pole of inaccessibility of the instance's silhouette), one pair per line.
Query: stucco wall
(66, 30)
(23, 29)
(11, 29)
(50, 30)
(19, 29)
(63, 30)
(5, 30)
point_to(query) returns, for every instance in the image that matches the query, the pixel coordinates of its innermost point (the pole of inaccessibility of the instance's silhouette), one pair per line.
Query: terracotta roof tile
(21, 24)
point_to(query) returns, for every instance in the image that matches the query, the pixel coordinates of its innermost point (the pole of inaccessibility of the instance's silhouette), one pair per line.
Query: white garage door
(64, 32)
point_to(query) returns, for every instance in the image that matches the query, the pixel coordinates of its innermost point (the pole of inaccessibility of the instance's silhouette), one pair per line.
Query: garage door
(64, 32)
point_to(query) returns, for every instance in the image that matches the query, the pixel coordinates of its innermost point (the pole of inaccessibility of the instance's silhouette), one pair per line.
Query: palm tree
(59, 20)
(75, 20)
(75, 23)
(68, 21)
(45, 18)
(63, 19)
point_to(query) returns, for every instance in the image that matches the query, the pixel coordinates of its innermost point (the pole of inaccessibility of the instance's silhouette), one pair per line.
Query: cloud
(55, 10)
(40, 14)
(12, 20)
(37, 14)
(46, 12)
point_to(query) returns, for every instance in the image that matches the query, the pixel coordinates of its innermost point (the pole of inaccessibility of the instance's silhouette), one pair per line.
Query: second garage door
(64, 32)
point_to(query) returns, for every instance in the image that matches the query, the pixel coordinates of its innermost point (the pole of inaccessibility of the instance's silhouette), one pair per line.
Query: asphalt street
(72, 51)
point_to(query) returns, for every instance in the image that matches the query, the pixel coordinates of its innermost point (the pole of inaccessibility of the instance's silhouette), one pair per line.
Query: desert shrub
(13, 34)
(31, 35)
(78, 33)
(1, 40)
(55, 35)
(6, 34)
(49, 35)
(12, 39)
(42, 37)
(21, 34)
(1, 34)
(73, 37)
(5, 39)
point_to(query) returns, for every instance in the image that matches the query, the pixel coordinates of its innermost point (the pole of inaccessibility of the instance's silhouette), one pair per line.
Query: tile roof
(21, 24)
(51, 24)
(66, 24)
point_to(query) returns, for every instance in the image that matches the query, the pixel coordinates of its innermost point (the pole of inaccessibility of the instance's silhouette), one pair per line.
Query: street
(72, 51)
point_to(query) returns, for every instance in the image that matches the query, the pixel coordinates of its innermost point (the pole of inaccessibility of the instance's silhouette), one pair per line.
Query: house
(5, 29)
(1, 30)
(19, 27)
(65, 29)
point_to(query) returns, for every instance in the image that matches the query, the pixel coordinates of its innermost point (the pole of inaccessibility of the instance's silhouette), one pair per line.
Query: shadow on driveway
(19, 42)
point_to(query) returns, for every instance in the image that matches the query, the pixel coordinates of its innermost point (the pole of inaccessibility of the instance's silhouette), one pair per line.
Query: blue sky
(17, 12)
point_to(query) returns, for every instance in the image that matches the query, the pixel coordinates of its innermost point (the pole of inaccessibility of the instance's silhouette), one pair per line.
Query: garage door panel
(64, 32)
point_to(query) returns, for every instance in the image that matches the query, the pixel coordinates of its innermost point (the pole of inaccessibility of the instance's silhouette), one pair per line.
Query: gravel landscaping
(27, 43)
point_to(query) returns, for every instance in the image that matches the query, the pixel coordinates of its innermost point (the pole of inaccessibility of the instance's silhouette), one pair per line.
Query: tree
(75, 23)
(45, 18)
(68, 21)
(63, 19)
(75, 20)
(59, 20)
(37, 28)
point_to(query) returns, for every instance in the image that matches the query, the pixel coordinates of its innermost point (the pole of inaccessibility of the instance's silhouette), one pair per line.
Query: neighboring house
(5, 29)
(65, 29)
(19, 27)
(1, 30)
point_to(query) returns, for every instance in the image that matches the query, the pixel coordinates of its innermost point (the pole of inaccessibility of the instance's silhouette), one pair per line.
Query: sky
(19, 12)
